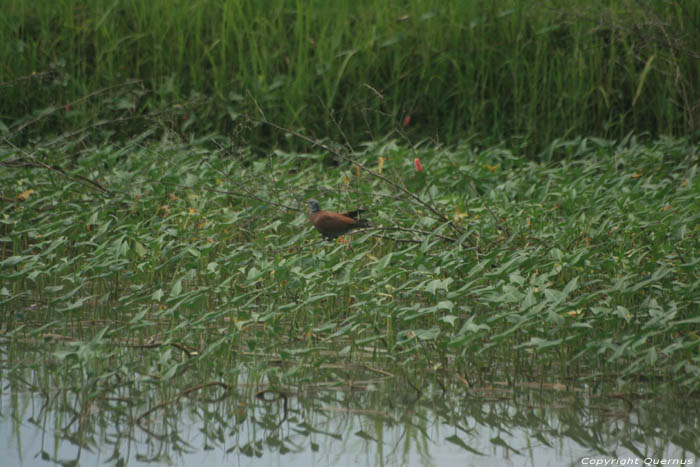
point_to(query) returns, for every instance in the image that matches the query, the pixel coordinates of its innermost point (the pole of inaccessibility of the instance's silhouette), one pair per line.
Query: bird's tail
(361, 224)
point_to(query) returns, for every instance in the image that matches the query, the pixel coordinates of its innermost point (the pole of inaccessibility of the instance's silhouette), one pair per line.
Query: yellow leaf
(381, 164)
(24, 196)
(459, 215)
(357, 170)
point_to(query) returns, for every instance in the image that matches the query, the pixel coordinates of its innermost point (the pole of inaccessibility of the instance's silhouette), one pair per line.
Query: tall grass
(531, 71)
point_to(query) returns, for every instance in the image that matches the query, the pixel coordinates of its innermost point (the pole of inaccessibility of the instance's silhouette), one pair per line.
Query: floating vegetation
(481, 266)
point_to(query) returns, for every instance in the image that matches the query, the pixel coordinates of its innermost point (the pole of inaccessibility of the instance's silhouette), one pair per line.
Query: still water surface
(382, 424)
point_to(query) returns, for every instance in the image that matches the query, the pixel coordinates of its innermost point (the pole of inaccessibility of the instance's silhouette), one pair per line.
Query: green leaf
(554, 296)
(570, 287)
(449, 319)
(557, 254)
(176, 289)
(540, 344)
(438, 284)
(454, 439)
(471, 326)
(157, 295)
(254, 274)
(12, 260)
(139, 249)
(316, 298)
(516, 278)
(642, 78)
(75, 305)
(364, 435)
(139, 316)
(623, 313)
(384, 262)
(428, 334)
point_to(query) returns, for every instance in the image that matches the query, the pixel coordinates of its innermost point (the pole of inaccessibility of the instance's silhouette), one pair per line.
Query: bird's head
(313, 204)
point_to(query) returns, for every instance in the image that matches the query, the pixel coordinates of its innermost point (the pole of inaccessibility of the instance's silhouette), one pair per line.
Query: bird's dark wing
(353, 214)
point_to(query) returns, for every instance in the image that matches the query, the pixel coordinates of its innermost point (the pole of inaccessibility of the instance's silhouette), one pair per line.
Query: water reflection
(383, 422)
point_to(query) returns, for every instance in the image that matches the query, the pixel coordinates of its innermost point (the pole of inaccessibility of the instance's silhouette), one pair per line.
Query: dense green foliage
(521, 71)
(504, 268)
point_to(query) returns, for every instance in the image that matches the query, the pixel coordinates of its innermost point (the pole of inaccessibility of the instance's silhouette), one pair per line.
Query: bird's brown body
(333, 224)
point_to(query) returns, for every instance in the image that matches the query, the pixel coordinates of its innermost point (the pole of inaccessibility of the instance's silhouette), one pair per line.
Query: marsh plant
(483, 266)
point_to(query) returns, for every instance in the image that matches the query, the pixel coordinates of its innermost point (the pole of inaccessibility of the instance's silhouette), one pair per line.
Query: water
(382, 423)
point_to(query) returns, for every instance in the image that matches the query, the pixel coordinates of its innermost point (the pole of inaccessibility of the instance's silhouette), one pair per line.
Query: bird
(333, 224)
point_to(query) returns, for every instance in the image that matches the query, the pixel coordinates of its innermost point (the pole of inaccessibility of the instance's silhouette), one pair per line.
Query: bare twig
(374, 91)
(237, 193)
(398, 240)
(30, 77)
(72, 103)
(30, 161)
(417, 231)
(488, 208)
(340, 129)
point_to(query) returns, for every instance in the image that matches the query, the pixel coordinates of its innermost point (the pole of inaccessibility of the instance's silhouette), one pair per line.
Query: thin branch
(236, 193)
(32, 162)
(71, 103)
(488, 208)
(421, 232)
(340, 129)
(32, 76)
